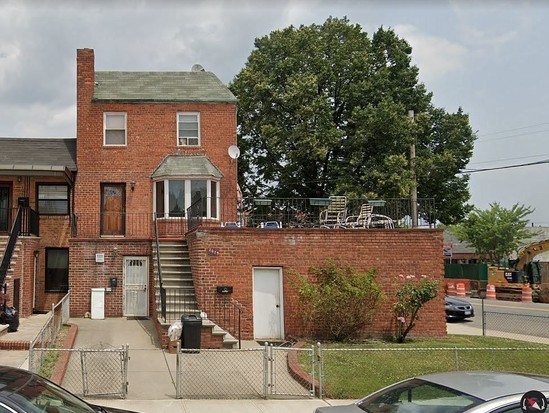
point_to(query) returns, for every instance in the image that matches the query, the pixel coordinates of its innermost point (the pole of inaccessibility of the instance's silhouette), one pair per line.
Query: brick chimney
(85, 76)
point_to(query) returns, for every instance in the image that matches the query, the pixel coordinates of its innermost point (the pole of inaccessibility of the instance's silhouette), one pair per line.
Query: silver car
(453, 392)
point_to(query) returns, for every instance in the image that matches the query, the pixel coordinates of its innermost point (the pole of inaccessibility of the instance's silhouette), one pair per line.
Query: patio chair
(367, 219)
(334, 215)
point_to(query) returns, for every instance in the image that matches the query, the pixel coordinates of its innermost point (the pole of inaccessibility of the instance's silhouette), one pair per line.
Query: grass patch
(353, 370)
(51, 356)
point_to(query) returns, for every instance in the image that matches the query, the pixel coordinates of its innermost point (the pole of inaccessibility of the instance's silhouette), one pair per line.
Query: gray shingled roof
(39, 154)
(182, 165)
(161, 87)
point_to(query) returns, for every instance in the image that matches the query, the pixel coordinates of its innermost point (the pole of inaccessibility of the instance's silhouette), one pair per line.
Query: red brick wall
(227, 257)
(151, 136)
(86, 274)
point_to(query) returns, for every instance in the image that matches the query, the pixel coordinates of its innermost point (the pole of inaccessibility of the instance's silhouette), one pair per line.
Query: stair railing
(159, 271)
(10, 246)
(227, 314)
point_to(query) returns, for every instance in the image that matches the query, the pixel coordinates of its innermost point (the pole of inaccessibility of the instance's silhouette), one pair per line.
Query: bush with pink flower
(413, 293)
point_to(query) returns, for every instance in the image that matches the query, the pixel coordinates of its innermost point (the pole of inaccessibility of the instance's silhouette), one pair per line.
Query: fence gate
(262, 372)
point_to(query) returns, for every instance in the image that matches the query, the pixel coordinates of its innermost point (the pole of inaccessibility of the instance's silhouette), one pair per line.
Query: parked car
(458, 308)
(453, 392)
(22, 391)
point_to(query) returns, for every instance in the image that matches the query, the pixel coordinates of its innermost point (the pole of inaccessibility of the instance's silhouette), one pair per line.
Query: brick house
(139, 201)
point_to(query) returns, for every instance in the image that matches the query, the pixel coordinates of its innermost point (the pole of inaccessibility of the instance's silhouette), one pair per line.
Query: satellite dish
(234, 152)
(197, 68)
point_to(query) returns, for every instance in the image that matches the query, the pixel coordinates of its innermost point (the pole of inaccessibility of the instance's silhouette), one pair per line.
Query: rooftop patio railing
(308, 213)
(253, 213)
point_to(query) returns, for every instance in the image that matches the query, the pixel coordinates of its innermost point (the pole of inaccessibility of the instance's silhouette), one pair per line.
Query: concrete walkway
(151, 370)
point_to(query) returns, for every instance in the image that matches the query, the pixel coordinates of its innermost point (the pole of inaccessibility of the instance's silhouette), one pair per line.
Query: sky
(488, 57)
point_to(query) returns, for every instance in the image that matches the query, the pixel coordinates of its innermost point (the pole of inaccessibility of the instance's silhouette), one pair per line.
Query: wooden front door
(4, 208)
(113, 209)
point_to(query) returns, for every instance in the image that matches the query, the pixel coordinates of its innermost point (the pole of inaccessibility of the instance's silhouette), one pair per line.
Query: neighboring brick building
(156, 145)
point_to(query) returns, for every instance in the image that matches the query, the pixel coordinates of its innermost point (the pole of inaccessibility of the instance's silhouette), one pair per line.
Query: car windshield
(418, 396)
(38, 395)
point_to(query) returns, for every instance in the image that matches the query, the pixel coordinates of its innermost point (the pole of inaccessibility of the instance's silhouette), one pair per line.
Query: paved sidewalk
(151, 370)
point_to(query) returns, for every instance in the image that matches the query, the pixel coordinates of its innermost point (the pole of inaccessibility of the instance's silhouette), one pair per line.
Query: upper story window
(188, 129)
(115, 129)
(172, 197)
(53, 199)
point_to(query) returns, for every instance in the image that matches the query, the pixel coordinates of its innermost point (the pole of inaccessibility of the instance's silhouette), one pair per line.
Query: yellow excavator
(524, 272)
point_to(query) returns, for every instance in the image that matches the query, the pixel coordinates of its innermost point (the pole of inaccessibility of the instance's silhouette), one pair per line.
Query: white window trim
(198, 121)
(188, 196)
(105, 114)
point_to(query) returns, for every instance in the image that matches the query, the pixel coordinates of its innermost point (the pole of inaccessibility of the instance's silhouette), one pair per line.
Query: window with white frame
(174, 196)
(115, 129)
(53, 199)
(188, 129)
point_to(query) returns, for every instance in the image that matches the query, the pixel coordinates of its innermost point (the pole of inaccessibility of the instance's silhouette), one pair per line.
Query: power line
(470, 171)
(509, 159)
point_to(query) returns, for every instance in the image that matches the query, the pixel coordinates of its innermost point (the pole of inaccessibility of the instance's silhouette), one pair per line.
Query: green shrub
(338, 300)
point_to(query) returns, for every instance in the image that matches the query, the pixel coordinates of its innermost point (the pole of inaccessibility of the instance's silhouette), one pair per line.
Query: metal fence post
(126, 350)
(313, 368)
(178, 392)
(483, 319)
(265, 369)
(320, 371)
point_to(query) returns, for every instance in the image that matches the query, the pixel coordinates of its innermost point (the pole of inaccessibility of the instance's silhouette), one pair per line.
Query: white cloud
(436, 56)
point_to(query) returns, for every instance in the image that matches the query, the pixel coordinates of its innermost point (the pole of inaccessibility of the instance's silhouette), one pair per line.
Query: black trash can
(190, 335)
(10, 316)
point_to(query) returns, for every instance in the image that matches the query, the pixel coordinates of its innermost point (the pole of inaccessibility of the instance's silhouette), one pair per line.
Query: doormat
(137, 318)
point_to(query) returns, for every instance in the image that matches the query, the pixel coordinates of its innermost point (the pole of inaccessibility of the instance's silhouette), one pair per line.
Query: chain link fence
(47, 336)
(100, 372)
(339, 367)
(262, 372)
(516, 326)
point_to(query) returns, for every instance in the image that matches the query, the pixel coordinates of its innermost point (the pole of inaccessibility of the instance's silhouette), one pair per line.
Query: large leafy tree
(496, 232)
(323, 109)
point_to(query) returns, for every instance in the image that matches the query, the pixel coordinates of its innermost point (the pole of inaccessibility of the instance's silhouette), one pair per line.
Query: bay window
(174, 196)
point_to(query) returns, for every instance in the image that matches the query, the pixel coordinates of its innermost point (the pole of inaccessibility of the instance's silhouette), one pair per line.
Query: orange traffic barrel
(460, 289)
(526, 295)
(451, 289)
(491, 292)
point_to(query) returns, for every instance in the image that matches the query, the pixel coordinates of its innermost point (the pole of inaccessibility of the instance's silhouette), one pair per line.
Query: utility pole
(413, 190)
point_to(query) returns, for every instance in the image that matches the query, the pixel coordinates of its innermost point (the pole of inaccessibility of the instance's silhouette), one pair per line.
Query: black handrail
(10, 246)
(159, 270)
(227, 314)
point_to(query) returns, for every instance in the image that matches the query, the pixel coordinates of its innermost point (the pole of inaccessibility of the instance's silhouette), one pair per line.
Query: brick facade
(228, 256)
(219, 256)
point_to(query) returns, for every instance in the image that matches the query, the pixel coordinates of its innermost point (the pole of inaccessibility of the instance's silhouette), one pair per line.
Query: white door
(136, 277)
(268, 308)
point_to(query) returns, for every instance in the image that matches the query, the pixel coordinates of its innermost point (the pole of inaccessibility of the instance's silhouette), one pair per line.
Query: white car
(456, 392)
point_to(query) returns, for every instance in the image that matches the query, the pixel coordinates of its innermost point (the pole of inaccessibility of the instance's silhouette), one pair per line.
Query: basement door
(268, 308)
(136, 277)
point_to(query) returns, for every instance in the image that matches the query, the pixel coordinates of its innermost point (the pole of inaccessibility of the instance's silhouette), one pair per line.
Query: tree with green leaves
(496, 232)
(323, 110)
